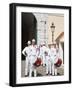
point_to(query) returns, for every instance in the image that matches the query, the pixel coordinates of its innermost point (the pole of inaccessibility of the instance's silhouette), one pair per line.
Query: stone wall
(42, 28)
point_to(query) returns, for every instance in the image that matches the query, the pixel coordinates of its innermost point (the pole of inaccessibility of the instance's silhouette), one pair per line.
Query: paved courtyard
(41, 70)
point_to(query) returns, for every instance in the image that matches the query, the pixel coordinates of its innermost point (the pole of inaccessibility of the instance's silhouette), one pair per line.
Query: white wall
(4, 45)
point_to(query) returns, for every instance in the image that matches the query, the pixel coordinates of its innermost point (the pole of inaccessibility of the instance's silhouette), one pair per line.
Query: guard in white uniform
(48, 61)
(42, 54)
(57, 57)
(53, 58)
(26, 52)
(33, 58)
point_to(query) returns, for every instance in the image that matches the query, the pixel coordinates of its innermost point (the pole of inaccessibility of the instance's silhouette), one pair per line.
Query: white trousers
(31, 66)
(48, 65)
(27, 65)
(43, 60)
(54, 69)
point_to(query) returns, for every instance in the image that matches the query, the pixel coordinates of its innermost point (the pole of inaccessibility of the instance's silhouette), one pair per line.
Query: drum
(58, 63)
(38, 62)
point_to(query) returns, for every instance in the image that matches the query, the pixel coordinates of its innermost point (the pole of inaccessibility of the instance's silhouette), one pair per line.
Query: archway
(29, 31)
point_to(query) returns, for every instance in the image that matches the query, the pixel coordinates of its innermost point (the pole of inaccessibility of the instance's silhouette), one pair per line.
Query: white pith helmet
(29, 42)
(33, 40)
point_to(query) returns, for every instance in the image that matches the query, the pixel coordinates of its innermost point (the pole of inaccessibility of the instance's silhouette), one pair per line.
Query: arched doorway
(29, 31)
